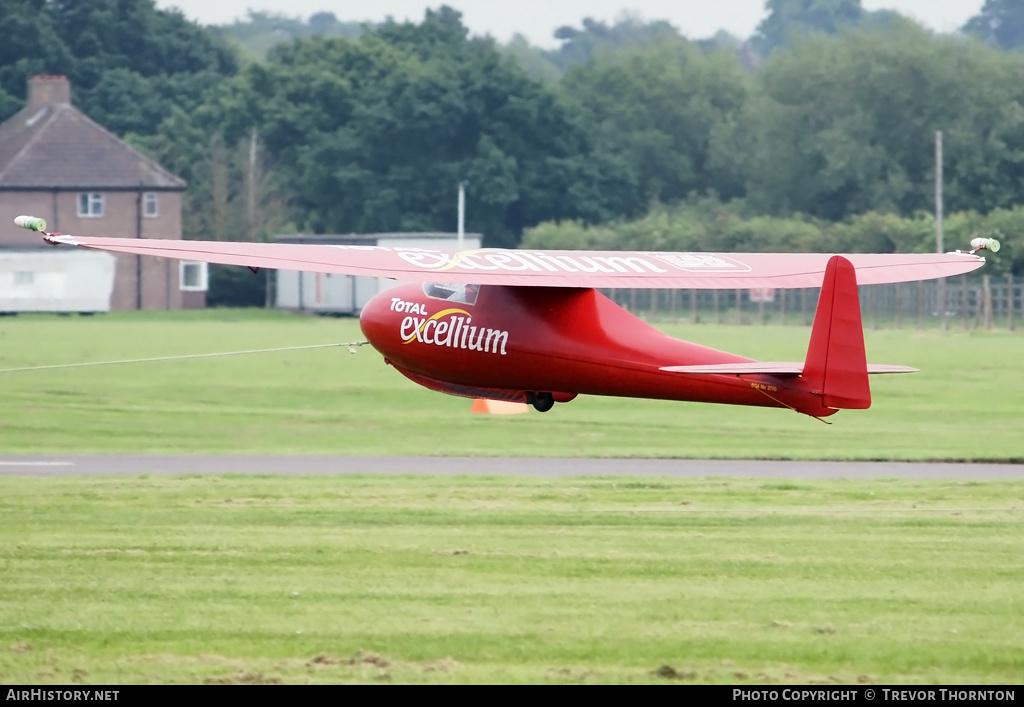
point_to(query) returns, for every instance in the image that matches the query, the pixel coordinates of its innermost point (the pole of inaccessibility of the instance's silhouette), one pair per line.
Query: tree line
(817, 132)
(707, 224)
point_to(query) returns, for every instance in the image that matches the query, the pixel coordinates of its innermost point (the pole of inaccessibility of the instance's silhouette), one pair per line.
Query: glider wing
(545, 268)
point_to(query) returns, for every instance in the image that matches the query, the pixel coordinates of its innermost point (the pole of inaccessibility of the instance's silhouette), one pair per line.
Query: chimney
(45, 90)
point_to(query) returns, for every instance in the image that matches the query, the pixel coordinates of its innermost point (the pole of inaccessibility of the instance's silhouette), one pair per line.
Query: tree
(374, 134)
(534, 60)
(846, 125)
(129, 58)
(1000, 23)
(32, 46)
(788, 19)
(262, 31)
(125, 58)
(134, 34)
(652, 111)
(580, 45)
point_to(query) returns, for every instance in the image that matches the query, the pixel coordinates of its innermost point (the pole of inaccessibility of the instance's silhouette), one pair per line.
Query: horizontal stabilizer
(777, 368)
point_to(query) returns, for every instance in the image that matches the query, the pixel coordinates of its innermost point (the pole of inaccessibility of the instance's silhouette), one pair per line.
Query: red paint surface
(836, 363)
(561, 340)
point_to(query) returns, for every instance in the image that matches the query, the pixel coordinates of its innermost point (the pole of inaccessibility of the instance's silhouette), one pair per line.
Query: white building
(326, 293)
(56, 280)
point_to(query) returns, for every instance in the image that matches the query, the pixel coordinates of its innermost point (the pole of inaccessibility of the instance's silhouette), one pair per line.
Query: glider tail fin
(836, 366)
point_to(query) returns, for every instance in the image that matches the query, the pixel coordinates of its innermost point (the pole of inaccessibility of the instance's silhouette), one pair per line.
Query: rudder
(836, 366)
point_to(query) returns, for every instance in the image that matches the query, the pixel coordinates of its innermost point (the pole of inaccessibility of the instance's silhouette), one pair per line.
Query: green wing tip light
(32, 223)
(984, 244)
(989, 244)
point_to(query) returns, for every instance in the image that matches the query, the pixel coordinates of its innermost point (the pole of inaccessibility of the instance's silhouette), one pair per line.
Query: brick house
(58, 164)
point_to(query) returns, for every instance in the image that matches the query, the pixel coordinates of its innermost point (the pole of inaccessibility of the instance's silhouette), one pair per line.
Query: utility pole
(939, 245)
(462, 213)
(138, 258)
(251, 202)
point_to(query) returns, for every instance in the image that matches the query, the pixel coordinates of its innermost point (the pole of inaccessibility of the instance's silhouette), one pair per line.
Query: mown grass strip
(963, 405)
(483, 579)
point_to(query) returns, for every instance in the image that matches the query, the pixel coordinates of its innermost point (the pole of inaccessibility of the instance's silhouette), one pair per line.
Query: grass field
(229, 579)
(965, 404)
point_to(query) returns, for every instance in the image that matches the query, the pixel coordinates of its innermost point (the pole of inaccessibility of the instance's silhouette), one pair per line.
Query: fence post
(1010, 301)
(986, 301)
(873, 304)
(899, 305)
(920, 305)
(964, 308)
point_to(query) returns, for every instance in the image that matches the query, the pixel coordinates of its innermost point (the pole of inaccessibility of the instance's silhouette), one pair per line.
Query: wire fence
(983, 302)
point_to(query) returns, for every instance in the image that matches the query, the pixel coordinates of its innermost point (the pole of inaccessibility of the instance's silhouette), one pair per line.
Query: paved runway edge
(133, 465)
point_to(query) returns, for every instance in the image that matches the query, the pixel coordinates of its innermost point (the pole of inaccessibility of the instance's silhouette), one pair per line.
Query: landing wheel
(542, 402)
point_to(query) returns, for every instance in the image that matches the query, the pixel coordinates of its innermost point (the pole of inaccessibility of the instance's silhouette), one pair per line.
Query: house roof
(55, 146)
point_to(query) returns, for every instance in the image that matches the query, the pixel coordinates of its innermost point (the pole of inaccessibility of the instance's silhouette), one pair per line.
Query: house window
(150, 205)
(90, 205)
(193, 277)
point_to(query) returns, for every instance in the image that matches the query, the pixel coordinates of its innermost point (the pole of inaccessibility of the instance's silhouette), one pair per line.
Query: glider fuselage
(517, 342)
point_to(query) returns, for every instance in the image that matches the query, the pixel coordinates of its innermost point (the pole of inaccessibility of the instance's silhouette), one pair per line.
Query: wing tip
(58, 239)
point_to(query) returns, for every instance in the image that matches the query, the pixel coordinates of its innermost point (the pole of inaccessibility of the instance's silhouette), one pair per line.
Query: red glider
(529, 326)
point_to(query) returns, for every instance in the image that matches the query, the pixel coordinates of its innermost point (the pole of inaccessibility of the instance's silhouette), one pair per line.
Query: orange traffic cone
(498, 407)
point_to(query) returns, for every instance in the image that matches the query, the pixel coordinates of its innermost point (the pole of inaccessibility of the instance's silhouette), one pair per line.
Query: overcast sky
(538, 19)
